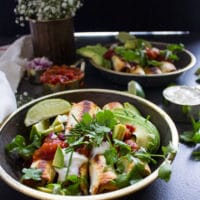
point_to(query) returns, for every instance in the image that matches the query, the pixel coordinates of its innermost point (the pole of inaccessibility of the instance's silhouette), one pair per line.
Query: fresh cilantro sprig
(18, 146)
(31, 173)
(116, 160)
(91, 131)
(132, 177)
(165, 171)
(192, 136)
(170, 53)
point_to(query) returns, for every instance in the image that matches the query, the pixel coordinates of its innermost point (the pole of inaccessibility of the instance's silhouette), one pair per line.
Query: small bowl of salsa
(60, 78)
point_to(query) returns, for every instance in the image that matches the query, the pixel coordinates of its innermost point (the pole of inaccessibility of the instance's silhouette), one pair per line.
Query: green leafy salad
(133, 55)
(81, 148)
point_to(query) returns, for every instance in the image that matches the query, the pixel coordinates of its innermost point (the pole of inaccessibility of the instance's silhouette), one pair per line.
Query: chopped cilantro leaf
(165, 171)
(31, 173)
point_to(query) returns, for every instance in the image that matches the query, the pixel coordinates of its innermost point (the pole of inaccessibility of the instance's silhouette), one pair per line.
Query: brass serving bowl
(9, 170)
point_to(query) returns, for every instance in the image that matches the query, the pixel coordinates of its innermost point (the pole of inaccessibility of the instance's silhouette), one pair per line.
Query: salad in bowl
(79, 146)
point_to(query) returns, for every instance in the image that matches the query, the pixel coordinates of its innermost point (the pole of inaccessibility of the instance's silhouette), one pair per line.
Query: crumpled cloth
(7, 101)
(12, 68)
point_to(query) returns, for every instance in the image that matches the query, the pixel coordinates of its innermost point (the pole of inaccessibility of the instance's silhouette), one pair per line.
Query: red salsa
(61, 74)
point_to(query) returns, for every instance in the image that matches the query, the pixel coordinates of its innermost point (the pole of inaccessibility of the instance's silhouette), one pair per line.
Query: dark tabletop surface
(185, 180)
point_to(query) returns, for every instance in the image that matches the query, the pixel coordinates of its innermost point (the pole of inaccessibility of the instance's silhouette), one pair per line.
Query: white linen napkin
(12, 67)
(7, 99)
(13, 61)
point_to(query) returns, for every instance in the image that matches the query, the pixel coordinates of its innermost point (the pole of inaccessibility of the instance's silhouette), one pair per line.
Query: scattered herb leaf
(192, 136)
(19, 147)
(165, 171)
(31, 173)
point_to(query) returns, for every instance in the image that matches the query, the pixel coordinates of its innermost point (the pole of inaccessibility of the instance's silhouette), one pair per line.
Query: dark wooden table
(185, 180)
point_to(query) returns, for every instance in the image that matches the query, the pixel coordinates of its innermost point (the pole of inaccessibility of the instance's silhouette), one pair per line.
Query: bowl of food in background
(149, 63)
(86, 144)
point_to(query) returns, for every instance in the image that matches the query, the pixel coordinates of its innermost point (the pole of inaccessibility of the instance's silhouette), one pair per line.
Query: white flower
(44, 10)
(64, 5)
(70, 2)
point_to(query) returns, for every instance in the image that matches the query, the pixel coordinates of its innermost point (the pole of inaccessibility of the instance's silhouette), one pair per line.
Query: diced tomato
(130, 127)
(48, 149)
(129, 131)
(61, 74)
(152, 53)
(132, 144)
(108, 55)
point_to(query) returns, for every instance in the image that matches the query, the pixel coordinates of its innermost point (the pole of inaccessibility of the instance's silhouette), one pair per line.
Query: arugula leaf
(31, 173)
(165, 171)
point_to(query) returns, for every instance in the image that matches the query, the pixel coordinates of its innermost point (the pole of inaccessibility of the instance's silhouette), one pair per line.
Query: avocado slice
(147, 135)
(127, 110)
(95, 53)
(38, 128)
(58, 160)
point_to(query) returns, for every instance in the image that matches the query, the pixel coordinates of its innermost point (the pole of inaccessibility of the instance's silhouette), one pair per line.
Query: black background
(120, 15)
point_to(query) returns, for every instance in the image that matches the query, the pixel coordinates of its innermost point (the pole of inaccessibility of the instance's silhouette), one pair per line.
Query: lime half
(46, 109)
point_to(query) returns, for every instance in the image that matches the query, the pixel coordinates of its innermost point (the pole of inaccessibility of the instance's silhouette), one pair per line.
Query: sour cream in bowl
(182, 102)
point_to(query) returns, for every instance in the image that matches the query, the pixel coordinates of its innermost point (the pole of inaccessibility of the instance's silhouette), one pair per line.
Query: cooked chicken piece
(137, 70)
(167, 67)
(101, 175)
(83, 171)
(77, 111)
(112, 105)
(48, 173)
(118, 64)
(78, 167)
(152, 70)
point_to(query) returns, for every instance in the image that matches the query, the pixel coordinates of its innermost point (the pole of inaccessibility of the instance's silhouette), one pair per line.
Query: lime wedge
(46, 109)
(136, 89)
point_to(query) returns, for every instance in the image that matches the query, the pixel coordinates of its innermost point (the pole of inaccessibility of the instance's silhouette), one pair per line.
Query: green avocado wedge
(58, 160)
(95, 53)
(147, 135)
(128, 110)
